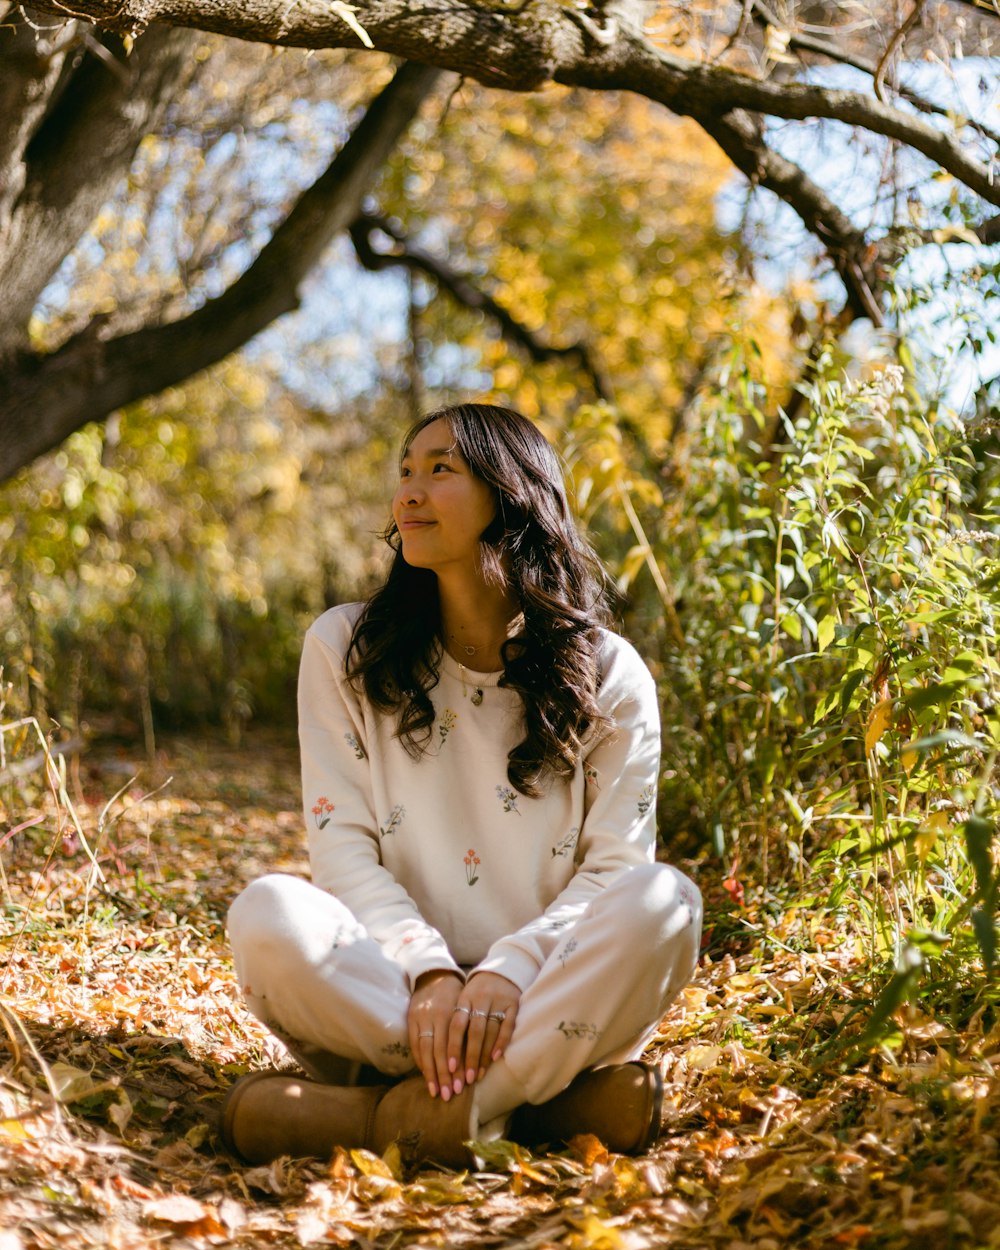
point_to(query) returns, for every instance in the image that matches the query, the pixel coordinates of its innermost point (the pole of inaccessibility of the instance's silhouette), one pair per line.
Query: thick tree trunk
(79, 149)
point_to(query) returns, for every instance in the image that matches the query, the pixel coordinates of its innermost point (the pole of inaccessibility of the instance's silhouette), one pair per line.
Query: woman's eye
(445, 467)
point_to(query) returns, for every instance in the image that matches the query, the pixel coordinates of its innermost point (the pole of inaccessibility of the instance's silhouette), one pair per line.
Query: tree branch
(464, 291)
(48, 397)
(703, 90)
(764, 16)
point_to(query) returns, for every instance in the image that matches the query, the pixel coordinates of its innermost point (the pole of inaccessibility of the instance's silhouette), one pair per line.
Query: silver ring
(482, 1015)
(425, 1035)
(498, 1015)
(465, 1009)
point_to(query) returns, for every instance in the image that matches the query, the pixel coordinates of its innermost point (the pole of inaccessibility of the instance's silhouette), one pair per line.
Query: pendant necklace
(477, 693)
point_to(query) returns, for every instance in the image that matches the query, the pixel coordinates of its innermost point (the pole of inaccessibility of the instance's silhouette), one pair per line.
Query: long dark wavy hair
(532, 549)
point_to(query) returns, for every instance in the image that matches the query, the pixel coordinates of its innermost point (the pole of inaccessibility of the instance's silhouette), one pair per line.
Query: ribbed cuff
(510, 962)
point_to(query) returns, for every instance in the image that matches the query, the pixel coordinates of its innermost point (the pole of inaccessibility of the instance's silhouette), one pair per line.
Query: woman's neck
(474, 623)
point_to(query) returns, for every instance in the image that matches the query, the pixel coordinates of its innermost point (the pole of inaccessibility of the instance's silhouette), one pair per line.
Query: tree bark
(76, 155)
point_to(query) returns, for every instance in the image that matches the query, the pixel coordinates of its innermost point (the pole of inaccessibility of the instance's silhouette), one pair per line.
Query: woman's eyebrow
(432, 452)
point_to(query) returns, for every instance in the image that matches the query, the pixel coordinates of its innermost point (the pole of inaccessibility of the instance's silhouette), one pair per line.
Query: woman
(486, 945)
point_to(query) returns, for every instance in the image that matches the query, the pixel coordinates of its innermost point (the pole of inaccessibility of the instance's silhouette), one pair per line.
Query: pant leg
(310, 972)
(602, 992)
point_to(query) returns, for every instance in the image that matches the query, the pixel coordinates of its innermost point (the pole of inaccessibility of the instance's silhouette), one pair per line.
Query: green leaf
(978, 838)
(986, 935)
(934, 695)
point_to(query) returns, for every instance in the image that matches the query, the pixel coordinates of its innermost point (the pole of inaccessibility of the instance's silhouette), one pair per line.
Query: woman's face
(440, 508)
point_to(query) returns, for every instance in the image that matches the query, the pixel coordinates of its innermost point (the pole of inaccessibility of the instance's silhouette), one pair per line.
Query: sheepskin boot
(620, 1104)
(268, 1114)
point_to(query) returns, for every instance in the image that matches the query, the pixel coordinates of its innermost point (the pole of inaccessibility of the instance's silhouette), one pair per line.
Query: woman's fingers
(460, 1017)
(428, 1022)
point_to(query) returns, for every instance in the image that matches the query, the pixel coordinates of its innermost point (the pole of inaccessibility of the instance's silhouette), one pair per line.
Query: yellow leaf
(928, 834)
(71, 1083)
(14, 1129)
(703, 1058)
(879, 720)
(120, 1112)
(370, 1164)
(346, 14)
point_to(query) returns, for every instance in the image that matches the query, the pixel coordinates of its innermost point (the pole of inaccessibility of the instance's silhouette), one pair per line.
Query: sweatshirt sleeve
(619, 829)
(340, 813)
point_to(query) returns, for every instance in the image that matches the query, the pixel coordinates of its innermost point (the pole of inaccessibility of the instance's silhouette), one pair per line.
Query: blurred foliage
(590, 220)
(162, 568)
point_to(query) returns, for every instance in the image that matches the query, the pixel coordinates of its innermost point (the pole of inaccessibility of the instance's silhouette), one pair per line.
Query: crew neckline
(469, 676)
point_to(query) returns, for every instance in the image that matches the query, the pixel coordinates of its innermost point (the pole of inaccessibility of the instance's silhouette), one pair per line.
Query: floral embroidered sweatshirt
(441, 860)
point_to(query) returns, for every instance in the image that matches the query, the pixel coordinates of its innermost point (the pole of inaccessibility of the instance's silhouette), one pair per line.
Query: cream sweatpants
(313, 975)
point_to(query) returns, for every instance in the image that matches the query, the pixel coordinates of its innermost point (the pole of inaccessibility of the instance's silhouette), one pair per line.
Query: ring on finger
(465, 1010)
(481, 1015)
(498, 1015)
(425, 1035)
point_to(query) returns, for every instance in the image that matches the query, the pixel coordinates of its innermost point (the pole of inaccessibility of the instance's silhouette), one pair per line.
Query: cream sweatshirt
(442, 861)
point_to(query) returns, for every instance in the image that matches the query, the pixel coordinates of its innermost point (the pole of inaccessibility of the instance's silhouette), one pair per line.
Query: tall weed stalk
(821, 613)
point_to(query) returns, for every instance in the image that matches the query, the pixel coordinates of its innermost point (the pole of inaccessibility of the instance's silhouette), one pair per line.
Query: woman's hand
(431, 1011)
(481, 1026)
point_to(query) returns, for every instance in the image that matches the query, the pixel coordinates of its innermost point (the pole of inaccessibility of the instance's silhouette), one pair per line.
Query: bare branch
(740, 136)
(765, 16)
(468, 295)
(894, 44)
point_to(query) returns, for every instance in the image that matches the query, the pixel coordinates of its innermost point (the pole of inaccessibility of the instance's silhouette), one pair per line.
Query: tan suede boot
(620, 1104)
(268, 1114)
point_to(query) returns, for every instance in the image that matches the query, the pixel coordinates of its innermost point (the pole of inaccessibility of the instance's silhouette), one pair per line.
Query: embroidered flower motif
(322, 810)
(646, 799)
(590, 776)
(472, 862)
(396, 1048)
(567, 845)
(571, 1029)
(508, 798)
(355, 745)
(447, 723)
(394, 821)
(567, 950)
(477, 696)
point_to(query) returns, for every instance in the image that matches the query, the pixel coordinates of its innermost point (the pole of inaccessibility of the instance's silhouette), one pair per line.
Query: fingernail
(432, 1089)
(445, 1093)
(452, 1065)
(470, 1076)
(482, 1073)
(498, 1053)
(457, 1085)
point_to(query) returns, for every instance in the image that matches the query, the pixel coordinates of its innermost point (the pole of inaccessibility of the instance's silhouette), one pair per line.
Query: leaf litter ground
(124, 1028)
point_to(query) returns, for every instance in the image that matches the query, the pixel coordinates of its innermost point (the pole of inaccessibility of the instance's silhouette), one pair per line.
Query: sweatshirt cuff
(511, 962)
(421, 949)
